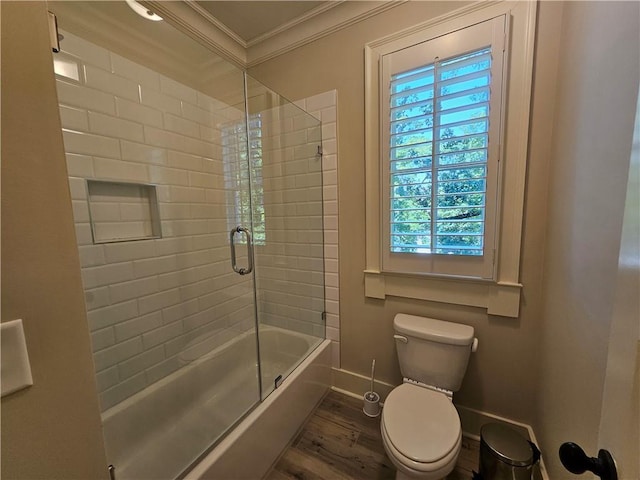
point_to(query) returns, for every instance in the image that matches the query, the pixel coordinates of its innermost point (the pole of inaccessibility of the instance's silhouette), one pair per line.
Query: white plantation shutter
(441, 133)
(438, 162)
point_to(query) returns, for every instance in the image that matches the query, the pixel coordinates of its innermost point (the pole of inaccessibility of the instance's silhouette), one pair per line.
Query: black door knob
(576, 461)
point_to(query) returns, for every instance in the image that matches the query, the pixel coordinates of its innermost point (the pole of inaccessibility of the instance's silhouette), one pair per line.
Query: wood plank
(319, 428)
(372, 442)
(350, 458)
(276, 475)
(459, 475)
(298, 465)
(469, 457)
(339, 442)
(348, 412)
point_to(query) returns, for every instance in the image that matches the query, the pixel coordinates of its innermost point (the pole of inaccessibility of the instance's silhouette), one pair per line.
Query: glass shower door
(285, 148)
(155, 134)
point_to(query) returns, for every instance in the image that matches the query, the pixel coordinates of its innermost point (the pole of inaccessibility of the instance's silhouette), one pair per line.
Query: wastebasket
(505, 454)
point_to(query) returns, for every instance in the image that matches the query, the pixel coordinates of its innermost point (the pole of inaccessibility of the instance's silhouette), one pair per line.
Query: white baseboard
(355, 385)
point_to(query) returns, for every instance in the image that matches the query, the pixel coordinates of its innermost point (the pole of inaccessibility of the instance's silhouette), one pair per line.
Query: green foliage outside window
(245, 194)
(438, 156)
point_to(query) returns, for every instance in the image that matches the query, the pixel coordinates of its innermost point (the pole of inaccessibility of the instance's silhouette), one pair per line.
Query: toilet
(420, 427)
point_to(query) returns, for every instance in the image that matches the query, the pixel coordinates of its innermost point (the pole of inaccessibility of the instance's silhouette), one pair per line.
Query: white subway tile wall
(324, 107)
(146, 300)
(287, 209)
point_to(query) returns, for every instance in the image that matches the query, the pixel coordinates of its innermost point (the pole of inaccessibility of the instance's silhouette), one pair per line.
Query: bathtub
(162, 430)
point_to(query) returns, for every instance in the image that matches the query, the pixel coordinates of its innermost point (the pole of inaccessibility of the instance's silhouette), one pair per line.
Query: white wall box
(15, 369)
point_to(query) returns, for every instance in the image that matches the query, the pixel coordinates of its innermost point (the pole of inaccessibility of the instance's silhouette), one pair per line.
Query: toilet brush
(372, 399)
(371, 394)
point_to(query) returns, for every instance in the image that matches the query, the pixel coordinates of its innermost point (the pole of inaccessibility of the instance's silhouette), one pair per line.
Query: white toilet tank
(433, 352)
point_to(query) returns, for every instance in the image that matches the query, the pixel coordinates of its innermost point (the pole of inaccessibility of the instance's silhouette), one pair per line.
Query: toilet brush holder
(371, 404)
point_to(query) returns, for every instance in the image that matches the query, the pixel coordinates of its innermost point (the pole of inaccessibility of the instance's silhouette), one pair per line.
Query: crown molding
(323, 20)
(320, 9)
(216, 23)
(190, 20)
(321, 25)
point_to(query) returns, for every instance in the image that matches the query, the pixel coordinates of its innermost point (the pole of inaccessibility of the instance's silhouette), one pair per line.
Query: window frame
(499, 295)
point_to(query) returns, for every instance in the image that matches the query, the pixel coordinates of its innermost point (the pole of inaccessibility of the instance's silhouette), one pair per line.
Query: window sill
(498, 298)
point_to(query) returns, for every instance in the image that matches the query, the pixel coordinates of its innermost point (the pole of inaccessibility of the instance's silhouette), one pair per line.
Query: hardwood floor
(339, 442)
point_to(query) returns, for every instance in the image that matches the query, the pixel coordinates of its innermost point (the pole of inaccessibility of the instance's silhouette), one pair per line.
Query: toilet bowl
(420, 426)
(421, 432)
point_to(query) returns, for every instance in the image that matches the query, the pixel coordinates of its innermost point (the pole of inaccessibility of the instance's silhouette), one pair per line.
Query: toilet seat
(421, 429)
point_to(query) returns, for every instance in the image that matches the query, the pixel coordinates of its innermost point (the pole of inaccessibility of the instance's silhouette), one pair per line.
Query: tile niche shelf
(123, 211)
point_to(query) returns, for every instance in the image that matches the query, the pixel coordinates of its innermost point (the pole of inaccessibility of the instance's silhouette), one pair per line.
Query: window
(441, 104)
(446, 127)
(244, 192)
(439, 119)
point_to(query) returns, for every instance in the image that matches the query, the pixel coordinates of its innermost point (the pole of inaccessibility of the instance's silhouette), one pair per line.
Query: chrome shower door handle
(249, 252)
(232, 234)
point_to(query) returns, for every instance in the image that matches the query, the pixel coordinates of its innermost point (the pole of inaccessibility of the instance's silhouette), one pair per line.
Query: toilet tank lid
(434, 330)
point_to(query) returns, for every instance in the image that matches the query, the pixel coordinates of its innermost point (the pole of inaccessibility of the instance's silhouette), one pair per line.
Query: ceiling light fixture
(143, 11)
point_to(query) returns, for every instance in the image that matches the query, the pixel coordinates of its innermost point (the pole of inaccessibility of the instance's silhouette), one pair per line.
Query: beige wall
(548, 367)
(621, 397)
(592, 137)
(501, 375)
(52, 429)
